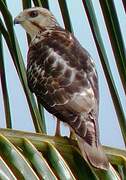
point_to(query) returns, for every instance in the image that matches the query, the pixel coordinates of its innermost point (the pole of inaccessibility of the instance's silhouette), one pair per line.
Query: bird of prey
(62, 75)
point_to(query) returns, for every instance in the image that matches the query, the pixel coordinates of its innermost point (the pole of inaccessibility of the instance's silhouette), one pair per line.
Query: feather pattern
(62, 75)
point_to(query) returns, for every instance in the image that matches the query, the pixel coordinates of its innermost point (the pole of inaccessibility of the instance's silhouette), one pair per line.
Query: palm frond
(50, 156)
(112, 23)
(4, 87)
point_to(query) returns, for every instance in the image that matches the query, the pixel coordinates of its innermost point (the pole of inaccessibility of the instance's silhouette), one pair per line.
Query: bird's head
(35, 19)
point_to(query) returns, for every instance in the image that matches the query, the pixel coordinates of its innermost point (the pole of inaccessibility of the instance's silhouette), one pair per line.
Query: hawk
(62, 75)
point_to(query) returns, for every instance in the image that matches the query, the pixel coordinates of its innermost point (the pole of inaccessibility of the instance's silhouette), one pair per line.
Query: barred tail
(94, 155)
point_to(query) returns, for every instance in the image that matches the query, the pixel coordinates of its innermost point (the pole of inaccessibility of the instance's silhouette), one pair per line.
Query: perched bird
(62, 75)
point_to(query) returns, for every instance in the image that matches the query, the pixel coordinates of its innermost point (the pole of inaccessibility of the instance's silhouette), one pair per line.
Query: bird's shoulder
(67, 52)
(64, 44)
(50, 34)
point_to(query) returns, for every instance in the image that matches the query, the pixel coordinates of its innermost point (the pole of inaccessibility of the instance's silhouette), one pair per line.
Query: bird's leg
(57, 132)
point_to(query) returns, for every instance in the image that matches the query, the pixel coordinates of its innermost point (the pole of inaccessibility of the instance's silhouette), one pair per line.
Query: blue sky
(109, 128)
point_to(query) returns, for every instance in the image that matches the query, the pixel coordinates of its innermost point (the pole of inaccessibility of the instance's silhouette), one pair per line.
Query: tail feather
(94, 155)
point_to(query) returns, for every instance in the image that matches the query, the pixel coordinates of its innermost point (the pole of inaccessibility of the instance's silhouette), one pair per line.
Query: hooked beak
(18, 20)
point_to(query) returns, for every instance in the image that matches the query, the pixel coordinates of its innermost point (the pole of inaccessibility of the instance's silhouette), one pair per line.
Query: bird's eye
(33, 14)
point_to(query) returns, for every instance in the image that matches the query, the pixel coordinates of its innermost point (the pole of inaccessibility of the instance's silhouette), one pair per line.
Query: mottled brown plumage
(62, 75)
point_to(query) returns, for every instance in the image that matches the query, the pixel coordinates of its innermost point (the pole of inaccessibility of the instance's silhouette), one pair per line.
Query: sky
(109, 128)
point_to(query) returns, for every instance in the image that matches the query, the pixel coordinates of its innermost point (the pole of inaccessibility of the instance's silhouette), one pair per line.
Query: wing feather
(62, 75)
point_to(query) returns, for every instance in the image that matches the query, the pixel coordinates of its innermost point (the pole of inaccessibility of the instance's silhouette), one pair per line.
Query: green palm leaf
(49, 157)
(4, 87)
(112, 23)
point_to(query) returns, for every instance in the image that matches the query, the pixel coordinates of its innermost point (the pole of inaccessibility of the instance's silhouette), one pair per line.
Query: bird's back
(62, 75)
